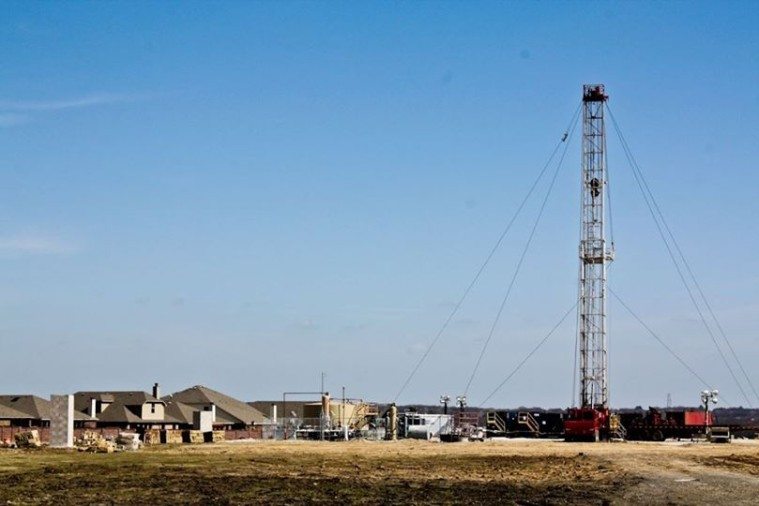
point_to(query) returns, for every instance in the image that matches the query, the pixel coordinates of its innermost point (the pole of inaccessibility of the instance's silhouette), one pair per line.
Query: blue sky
(246, 194)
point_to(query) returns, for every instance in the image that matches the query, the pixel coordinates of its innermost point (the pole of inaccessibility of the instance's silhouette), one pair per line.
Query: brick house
(31, 411)
(228, 412)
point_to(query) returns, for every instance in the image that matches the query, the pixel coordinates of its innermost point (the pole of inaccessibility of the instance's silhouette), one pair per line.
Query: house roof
(124, 406)
(82, 400)
(228, 409)
(29, 407)
(120, 413)
(179, 411)
(8, 413)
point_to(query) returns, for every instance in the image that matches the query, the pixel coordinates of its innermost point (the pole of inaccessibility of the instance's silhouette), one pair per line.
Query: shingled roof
(82, 400)
(29, 407)
(123, 407)
(8, 413)
(179, 411)
(228, 409)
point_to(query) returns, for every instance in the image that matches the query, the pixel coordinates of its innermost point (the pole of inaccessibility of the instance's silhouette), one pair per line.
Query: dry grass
(523, 472)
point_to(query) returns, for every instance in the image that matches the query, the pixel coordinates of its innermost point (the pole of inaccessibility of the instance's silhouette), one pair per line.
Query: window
(152, 407)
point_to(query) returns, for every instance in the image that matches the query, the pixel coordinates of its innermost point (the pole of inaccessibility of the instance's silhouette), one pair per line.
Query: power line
(687, 266)
(724, 336)
(530, 354)
(487, 259)
(519, 265)
(660, 340)
(658, 216)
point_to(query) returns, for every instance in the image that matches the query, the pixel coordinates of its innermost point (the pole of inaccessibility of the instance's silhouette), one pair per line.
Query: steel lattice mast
(594, 254)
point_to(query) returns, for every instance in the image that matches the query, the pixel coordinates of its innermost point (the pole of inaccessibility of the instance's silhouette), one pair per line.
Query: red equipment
(657, 425)
(587, 424)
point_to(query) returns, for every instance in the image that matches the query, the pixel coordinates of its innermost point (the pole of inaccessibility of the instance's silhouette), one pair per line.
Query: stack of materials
(94, 442)
(28, 439)
(88, 439)
(170, 436)
(194, 436)
(152, 437)
(128, 441)
(215, 436)
(105, 446)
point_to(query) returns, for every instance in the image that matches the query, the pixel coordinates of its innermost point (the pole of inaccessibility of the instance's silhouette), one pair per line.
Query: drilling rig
(591, 419)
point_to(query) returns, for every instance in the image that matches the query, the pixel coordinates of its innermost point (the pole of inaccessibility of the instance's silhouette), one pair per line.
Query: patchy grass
(312, 472)
(748, 464)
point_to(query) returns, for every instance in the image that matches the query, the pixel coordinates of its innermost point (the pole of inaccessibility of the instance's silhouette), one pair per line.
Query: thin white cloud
(91, 100)
(12, 119)
(306, 324)
(35, 245)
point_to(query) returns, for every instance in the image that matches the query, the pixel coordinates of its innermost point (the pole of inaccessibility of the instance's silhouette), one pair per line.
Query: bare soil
(415, 472)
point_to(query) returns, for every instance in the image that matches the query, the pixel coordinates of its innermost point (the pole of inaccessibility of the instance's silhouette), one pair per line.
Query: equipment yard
(510, 471)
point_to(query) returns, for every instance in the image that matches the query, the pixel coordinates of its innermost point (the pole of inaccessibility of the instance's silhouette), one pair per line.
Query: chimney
(156, 391)
(213, 412)
(93, 407)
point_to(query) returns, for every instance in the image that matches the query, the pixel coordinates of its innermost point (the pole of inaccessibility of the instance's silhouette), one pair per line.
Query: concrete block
(62, 421)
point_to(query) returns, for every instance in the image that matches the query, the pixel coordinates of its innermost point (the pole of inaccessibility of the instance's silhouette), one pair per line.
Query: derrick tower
(595, 256)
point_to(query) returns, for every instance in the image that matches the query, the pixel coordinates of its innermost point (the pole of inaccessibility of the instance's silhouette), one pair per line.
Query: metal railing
(495, 421)
(525, 418)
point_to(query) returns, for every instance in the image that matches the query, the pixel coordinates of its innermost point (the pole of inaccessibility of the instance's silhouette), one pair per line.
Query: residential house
(228, 412)
(31, 411)
(127, 409)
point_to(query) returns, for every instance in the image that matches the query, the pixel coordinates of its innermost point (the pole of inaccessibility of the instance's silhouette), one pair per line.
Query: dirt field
(510, 471)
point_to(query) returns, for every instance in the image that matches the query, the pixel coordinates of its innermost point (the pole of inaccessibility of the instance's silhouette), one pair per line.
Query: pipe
(393, 423)
(325, 413)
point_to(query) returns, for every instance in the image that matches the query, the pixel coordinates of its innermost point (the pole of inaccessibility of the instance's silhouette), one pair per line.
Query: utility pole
(594, 254)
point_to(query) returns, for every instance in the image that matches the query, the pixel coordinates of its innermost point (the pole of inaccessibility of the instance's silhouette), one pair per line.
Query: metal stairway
(616, 429)
(525, 418)
(495, 422)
